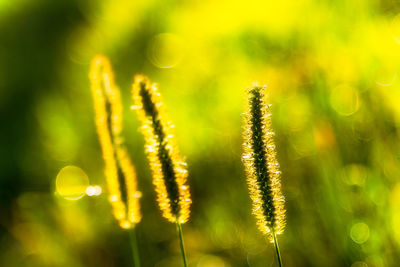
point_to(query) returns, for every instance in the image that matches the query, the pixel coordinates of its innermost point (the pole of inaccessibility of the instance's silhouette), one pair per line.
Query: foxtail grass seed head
(119, 171)
(261, 165)
(168, 168)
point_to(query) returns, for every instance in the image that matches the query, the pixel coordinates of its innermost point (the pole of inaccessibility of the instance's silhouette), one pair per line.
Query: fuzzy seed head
(261, 165)
(119, 171)
(168, 168)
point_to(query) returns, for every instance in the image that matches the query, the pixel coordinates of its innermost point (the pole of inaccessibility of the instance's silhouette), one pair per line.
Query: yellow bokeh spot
(71, 182)
(359, 233)
(324, 136)
(165, 50)
(344, 100)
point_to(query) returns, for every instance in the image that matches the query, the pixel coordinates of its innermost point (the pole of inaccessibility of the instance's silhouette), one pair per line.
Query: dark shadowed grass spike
(168, 168)
(262, 167)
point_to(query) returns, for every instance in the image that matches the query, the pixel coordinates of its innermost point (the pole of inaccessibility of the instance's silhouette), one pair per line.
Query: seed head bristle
(168, 168)
(119, 171)
(261, 165)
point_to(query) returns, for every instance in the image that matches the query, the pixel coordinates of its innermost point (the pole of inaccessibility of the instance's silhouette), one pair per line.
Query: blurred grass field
(332, 71)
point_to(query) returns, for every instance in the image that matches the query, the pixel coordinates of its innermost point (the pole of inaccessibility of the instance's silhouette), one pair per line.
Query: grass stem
(179, 229)
(278, 253)
(134, 246)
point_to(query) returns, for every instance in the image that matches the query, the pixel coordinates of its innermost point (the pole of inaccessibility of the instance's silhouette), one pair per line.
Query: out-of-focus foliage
(332, 70)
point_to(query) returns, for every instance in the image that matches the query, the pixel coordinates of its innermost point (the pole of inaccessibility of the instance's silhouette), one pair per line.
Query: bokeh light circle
(344, 100)
(165, 50)
(71, 182)
(359, 232)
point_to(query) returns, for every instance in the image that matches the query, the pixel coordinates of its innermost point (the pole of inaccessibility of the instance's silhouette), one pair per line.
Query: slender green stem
(179, 229)
(134, 246)
(278, 253)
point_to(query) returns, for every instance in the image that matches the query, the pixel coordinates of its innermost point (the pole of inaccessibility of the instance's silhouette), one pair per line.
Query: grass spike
(261, 165)
(168, 168)
(119, 171)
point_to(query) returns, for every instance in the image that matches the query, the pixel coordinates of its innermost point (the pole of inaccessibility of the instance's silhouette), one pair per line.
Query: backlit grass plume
(169, 169)
(119, 171)
(262, 167)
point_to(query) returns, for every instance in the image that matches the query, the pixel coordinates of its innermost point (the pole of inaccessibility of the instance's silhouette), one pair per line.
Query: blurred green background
(332, 69)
